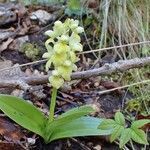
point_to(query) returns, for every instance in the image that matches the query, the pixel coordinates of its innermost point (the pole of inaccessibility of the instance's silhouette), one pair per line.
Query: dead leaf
(111, 85)
(147, 126)
(13, 73)
(9, 131)
(5, 64)
(94, 4)
(5, 44)
(10, 146)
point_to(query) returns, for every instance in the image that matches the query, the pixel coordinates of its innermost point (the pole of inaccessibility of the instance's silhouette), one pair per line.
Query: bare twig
(115, 47)
(15, 84)
(26, 64)
(123, 87)
(85, 52)
(119, 66)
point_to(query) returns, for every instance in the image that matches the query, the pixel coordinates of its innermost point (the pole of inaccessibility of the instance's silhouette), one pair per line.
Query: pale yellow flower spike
(61, 46)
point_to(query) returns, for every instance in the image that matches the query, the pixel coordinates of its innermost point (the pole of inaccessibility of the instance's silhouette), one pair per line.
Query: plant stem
(132, 145)
(52, 105)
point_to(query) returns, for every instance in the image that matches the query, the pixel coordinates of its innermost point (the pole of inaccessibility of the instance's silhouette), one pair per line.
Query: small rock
(98, 147)
(28, 72)
(31, 141)
(4, 34)
(36, 72)
(18, 93)
(43, 16)
(5, 64)
(17, 43)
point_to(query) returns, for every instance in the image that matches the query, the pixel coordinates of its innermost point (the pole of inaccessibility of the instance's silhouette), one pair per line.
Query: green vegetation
(112, 23)
(70, 124)
(65, 42)
(123, 133)
(32, 51)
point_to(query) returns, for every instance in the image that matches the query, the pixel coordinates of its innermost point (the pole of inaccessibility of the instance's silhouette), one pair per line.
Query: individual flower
(75, 38)
(59, 59)
(79, 30)
(65, 72)
(73, 24)
(56, 80)
(64, 38)
(61, 47)
(50, 33)
(58, 28)
(76, 46)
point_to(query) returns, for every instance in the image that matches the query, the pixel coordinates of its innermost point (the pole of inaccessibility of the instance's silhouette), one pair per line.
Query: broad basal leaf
(119, 118)
(139, 136)
(23, 113)
(83, 110)
(116, 132)
(125, 137)
(140, 123)
(67, 117)
(84, 126)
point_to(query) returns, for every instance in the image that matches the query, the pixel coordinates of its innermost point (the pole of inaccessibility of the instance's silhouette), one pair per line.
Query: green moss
(32, 51)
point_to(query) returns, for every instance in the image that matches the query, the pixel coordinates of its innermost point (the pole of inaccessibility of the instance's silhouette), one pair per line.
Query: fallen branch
(120, 66)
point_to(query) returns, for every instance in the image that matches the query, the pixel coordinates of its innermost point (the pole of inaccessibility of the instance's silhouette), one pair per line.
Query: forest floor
(22, 46)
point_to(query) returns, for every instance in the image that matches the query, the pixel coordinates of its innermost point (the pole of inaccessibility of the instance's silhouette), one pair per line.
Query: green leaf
(68, 117)
(23, 113)
(116, 132)
(84, 126)
(125, 137)
(140, 123)
(139, 136)
(82, 110)
(119, 118)
(73, 7)
(107, 124)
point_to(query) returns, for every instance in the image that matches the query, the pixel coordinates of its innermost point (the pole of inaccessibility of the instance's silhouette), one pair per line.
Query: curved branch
(120, 66)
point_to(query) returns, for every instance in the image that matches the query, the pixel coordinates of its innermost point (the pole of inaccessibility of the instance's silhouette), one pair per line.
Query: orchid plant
(61, 46)
(63, 42)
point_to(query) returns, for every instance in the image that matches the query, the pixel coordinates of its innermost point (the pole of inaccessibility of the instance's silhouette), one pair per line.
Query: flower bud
(51, 34)
(64, 38)
(67, 63)
(79, 30)
(58, 23)
(55, 73)
(74, 24)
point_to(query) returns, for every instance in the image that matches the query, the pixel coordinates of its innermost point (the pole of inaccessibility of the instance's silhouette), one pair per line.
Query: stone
(18, 43)
(42, 16)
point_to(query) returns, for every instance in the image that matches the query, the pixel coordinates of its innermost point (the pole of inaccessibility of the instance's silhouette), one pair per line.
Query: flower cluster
(62, 44)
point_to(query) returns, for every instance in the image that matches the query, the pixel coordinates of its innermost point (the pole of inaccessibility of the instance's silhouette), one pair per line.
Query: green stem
(52, 105)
